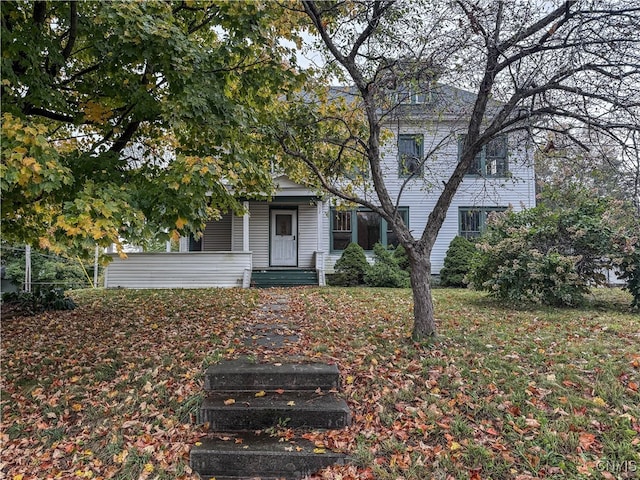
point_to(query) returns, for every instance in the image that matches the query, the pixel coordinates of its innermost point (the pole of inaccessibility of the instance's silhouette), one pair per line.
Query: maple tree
(528, 66)
(129, 119)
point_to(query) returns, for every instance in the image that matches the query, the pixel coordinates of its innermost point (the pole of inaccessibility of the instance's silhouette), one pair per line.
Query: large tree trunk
(424, 323)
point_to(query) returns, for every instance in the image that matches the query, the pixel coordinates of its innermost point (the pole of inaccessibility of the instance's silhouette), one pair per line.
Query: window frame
(418, 138)
(412, 95)
(483, 212)
(483, 168)
(384, 226)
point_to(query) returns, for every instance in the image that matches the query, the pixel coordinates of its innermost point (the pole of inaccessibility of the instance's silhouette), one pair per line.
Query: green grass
(112, 388)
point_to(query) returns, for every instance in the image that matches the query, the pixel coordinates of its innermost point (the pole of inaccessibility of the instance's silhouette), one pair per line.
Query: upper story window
(492, 160)
(410, 155)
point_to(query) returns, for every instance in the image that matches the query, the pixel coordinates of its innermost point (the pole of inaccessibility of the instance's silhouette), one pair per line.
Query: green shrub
(46, 268)
(351, 266)
(385, 272)
(41, 299)
(629, 270)
(554, 253)
(457, 263)
(401, 258)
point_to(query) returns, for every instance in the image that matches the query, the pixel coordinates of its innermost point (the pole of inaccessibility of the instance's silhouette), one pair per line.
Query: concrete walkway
(270, 326)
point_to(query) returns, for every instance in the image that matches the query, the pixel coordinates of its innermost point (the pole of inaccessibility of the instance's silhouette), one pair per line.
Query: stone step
(283, 278)
(251, 456)
(291, 409)
(243, 375)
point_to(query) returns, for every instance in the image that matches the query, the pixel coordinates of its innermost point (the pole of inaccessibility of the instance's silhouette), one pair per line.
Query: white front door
(284, 234)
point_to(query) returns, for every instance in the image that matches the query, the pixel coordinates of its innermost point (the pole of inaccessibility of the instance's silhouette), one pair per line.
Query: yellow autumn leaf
(599, 402)
(121, 457)
(291, 403)
(455, 446)
(180, 222)
(18, 477)
(148, 467)
(319, 450)
(44, 243)
(229, 401)
(350, 379)
(261, 393)
(76, 407)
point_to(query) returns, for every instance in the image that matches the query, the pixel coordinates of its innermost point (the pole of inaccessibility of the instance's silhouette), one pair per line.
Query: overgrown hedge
(554, 253)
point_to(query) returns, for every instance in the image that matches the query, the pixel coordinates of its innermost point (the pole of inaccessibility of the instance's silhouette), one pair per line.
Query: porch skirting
(180, 270)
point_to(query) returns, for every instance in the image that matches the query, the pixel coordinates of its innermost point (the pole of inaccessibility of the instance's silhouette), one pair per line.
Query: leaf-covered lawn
(110, 390)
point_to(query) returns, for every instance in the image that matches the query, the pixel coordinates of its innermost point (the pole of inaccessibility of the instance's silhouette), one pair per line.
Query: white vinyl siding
(258, 233)
(178, 270)
(307, 235)
(217, 235)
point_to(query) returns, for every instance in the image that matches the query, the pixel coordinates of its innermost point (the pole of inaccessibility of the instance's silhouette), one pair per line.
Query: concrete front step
(242, 375)
(283, 278)
(250, 456)
(293, 409)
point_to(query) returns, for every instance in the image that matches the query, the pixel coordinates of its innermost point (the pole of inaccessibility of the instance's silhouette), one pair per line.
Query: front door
(284, 234)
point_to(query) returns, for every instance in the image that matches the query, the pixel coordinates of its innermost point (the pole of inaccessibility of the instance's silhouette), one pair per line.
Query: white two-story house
(297, 237)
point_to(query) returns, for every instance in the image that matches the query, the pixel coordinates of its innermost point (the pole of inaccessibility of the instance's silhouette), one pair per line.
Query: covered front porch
(279, 242)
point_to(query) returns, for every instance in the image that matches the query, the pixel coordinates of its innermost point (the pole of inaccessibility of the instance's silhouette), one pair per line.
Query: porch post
(319, 223)
(27, 268)
(319, 252)
(184, 244)
(245, 227)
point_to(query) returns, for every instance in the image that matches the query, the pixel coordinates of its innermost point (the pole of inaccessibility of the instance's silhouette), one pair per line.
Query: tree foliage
(124, 119)
(535, 67)
(554, 253)
(594, 162)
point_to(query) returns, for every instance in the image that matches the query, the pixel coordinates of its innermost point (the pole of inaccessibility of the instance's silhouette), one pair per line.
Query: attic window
(412, 96)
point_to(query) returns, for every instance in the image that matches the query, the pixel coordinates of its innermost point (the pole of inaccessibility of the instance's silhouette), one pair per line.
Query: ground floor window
(472, 220)
(364, 227)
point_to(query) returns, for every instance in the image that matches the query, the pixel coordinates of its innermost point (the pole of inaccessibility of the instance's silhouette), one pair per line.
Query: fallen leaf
(599, 402)
(230, 401)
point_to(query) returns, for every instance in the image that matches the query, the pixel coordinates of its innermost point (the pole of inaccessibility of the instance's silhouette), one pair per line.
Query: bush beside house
(457, 263)
(554, 253)
(385, 272)
(350, 267)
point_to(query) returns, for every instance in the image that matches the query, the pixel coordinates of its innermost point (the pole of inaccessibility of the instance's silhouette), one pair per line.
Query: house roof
(442, 100)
